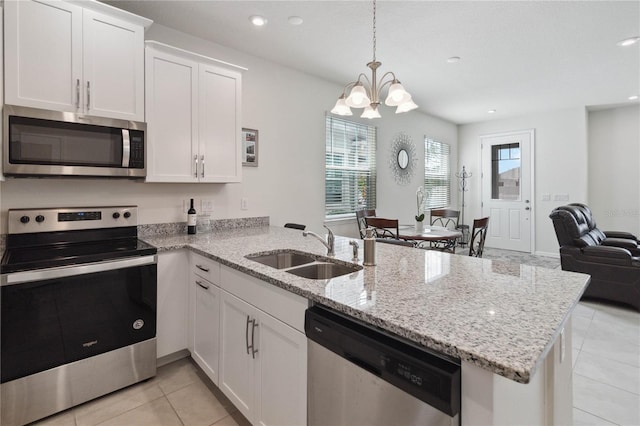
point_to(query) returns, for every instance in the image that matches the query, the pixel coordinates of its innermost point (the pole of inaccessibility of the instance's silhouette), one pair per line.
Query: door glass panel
(505, 171)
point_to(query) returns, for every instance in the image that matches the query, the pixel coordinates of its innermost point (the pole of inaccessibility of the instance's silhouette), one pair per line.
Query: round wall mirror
(403, 159)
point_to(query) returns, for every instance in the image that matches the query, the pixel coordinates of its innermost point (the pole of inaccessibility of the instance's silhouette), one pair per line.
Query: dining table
(438, 237)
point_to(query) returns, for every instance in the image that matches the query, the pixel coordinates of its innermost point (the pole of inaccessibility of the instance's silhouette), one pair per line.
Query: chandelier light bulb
(341, 108)
(370, 113)
(397, 95)
(358, 97)
(406, 106)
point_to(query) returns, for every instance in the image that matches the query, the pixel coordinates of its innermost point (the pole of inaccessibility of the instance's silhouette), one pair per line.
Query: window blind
(350, 167)
(437, 174)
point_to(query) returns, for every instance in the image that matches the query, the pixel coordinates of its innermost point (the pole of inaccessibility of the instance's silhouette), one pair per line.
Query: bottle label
(191, 220)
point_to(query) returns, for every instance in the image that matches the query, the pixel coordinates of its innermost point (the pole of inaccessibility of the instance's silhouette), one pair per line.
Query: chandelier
(367, 94)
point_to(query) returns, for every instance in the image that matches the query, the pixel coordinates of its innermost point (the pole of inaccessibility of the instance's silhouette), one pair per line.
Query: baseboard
(168, 359)
(547, 254)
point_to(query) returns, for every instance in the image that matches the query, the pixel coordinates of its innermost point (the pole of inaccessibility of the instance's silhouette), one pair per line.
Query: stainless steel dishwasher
(359, 375)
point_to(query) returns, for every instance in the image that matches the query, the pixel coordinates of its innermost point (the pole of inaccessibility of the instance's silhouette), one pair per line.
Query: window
(437, 174)
(350, 173)
(505, 171)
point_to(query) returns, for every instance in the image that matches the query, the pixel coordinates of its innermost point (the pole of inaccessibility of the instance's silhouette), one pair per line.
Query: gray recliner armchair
(611, 258)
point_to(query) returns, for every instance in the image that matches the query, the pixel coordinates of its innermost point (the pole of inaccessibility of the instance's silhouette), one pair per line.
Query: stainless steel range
(78, 309)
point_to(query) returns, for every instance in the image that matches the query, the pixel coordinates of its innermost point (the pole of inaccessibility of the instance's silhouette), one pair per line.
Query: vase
(419, 227)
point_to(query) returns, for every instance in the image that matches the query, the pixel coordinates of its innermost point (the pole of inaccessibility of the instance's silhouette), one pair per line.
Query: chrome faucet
(328, 244)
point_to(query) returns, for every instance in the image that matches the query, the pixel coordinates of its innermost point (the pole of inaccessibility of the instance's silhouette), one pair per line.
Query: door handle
(527, 208)
(202, 162)
(78, 93)
(206, 287)
(202, 268)
(253, 337)
(195, 161)
(246, 334)
(88, 95)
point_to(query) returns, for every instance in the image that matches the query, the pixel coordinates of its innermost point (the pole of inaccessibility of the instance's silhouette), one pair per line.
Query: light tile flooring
(606, 377)
(180, 394)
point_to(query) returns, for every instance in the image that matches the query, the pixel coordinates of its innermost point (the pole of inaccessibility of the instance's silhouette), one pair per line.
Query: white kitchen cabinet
(193, 106)
(205, 347)
(172, 297)
(78, 60)
(237, 363)
(263, 361)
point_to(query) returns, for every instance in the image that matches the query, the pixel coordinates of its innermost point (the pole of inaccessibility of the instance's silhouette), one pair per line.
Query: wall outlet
(561, 197)
(244, 204)
(206, 206)
(546, 197)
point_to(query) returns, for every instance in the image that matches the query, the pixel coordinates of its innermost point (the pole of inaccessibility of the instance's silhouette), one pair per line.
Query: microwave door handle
(126, 148)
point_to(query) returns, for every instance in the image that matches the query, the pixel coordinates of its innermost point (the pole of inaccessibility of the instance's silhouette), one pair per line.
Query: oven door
(56, 316)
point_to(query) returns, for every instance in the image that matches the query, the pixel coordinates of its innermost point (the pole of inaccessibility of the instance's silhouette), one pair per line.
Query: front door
(507, 179)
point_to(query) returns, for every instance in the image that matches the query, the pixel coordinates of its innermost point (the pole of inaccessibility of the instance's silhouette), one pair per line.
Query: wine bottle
(191, 219)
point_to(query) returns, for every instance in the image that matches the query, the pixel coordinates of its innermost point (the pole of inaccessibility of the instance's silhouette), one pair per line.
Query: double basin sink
(304, 265)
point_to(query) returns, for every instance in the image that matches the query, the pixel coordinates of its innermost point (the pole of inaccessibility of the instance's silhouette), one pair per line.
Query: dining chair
(384, 228)
(445, 217)
(478, 236)
(360, 215)
(295, 226)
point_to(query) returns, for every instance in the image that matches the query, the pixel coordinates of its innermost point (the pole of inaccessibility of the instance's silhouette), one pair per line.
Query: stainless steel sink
(282, 260)
(324, 271)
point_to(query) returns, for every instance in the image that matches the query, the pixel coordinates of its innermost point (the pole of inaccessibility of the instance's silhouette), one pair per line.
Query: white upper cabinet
(193, 106)
(78, 60)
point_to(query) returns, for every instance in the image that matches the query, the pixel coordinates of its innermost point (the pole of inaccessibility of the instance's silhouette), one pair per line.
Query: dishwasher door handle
(363, 364)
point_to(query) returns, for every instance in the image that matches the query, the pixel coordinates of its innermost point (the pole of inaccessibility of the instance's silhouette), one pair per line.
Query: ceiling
(517, 57)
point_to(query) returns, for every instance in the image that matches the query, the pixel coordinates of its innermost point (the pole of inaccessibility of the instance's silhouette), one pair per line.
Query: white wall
(288, 108)
(561, 164)
(614, 172)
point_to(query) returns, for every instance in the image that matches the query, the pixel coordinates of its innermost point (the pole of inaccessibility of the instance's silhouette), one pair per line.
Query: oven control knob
(24, 219)
(116, 215)
(127, 215)
(39, 218)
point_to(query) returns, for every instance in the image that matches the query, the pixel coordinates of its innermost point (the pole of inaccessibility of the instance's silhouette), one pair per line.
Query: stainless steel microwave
(40, 142)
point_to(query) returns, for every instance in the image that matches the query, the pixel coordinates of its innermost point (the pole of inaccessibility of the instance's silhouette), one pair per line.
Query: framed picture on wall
(249, 147)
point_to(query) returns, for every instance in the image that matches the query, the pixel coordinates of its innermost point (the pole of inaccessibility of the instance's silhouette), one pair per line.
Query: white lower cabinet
(172, 301)
(205, 318)
(263, 361)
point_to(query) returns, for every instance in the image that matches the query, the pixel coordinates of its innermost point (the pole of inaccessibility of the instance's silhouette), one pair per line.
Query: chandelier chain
(374, 30)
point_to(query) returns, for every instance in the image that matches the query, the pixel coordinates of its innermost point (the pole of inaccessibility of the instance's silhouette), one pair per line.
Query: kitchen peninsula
(509, 324)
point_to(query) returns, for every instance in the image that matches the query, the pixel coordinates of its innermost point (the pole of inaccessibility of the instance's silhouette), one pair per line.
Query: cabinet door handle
(195, 161)
(202, 162)
(77, 93)
(202, 268)
(206, 287)
(246, 334)
(253, 341)
(88, 95)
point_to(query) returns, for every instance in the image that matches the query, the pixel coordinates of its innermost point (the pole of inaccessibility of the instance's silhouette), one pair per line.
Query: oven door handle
(70, 271)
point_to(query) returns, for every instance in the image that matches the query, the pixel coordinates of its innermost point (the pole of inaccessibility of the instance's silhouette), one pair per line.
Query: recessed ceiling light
(295, 20)
(628, 41)
(491, 111)
(258, 20)
(633, 98)
(453, 59)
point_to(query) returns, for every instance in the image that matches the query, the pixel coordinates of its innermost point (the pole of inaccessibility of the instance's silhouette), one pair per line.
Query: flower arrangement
(420, 204)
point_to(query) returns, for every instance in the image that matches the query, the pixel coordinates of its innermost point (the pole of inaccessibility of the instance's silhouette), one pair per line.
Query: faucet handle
(355, 245)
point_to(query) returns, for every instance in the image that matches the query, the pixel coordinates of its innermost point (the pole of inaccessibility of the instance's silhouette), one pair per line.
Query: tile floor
(606, 377)
(180, 394)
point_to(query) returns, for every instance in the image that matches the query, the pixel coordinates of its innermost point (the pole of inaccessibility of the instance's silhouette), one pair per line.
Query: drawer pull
(246, 334)
(202, 268)
(206, 287)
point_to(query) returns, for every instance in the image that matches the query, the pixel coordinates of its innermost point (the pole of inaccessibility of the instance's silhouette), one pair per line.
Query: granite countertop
(500, 316)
